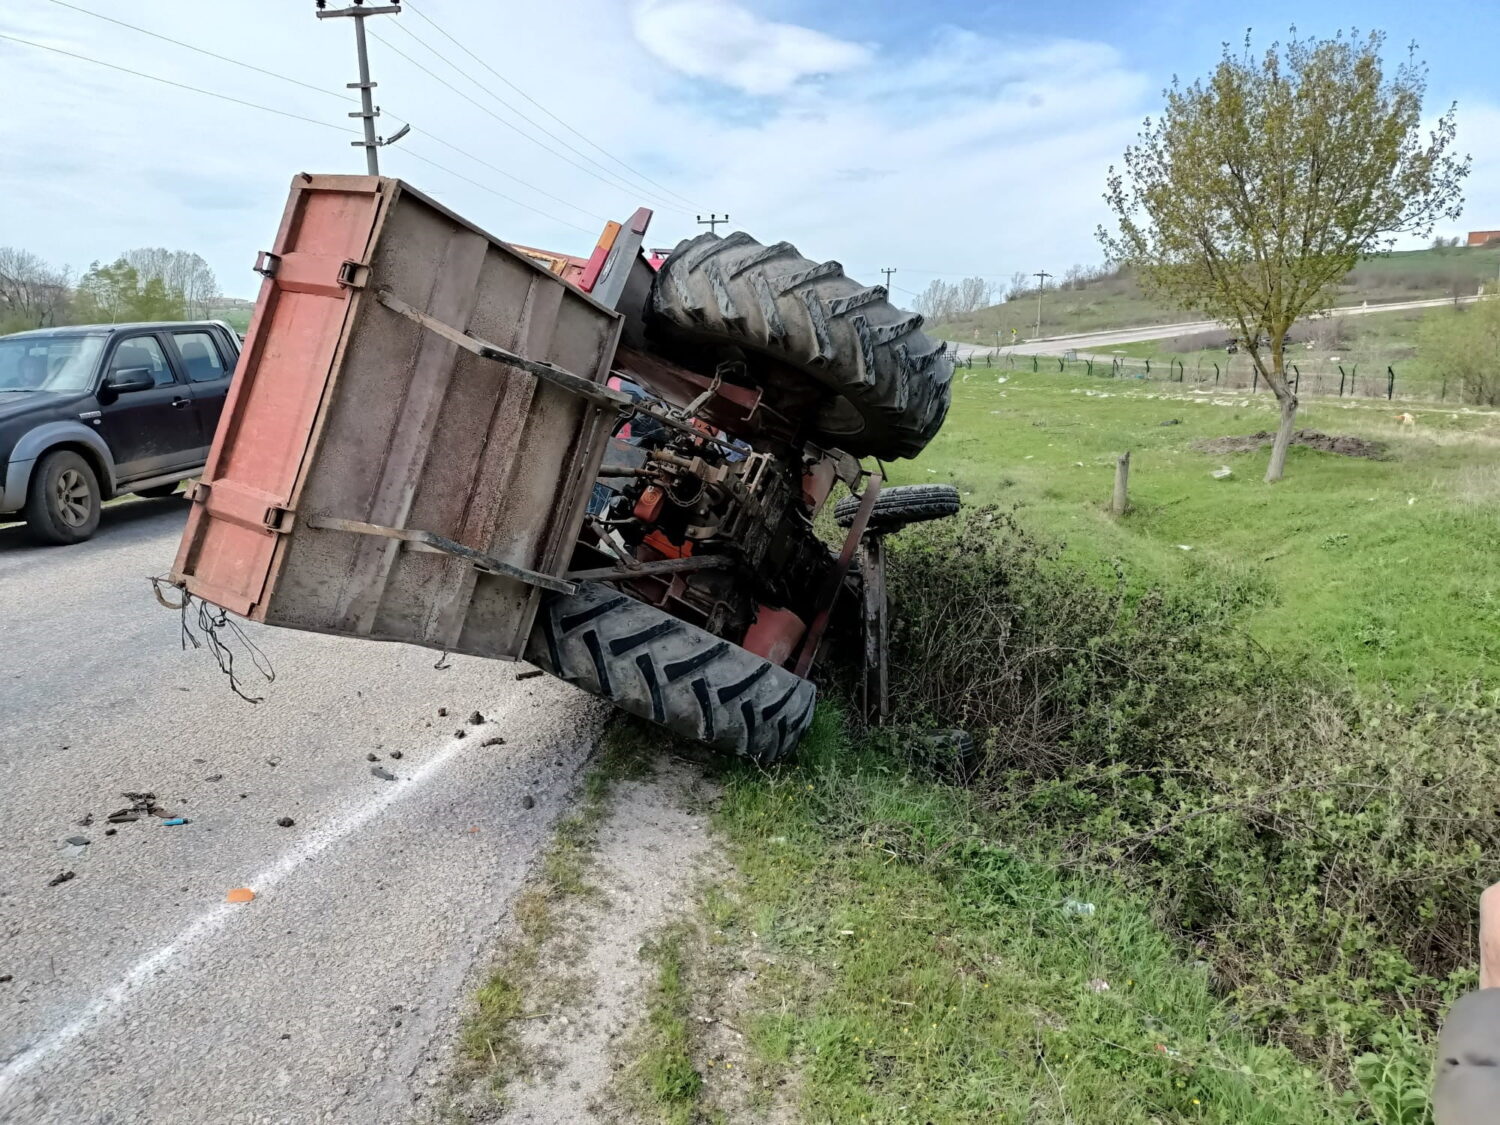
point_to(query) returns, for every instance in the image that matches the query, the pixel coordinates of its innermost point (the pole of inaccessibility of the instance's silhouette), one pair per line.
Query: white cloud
(955, 153)
(722, 41)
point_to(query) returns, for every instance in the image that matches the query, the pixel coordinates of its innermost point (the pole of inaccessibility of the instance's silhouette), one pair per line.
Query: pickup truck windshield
(49, 363)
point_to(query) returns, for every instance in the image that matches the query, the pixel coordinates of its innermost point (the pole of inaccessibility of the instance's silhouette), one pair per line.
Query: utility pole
(888, 277)
(368, 111)
(713, 221)
(1041, 276)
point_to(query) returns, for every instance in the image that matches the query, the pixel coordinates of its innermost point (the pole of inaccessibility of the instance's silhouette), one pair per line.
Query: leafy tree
(181, 271)
(1464, 344)
(116, 293)
(1258, 188)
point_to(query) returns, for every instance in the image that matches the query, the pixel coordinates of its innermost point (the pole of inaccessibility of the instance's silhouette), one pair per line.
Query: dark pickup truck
(90, 412)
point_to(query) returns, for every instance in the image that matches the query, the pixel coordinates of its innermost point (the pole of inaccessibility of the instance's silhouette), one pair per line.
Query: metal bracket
(646, 569)
(830, 594)
(266, 263)
(431, 541)
(353, 275)
(278, 520)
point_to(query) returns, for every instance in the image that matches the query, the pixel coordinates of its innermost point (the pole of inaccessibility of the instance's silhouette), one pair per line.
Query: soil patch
(1311, 439)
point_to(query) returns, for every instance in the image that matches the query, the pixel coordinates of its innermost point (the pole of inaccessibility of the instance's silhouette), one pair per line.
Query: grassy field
(1385, 569)
(1120, 302)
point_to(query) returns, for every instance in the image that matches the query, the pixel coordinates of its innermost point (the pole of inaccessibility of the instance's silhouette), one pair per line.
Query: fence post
(1444, 396)
(1059, 366)
(1121, 498)
(989, 359)
(1390, 387)
(1216, 374)
(1353, 374)
(1148, 367)
(1089, 366)
(1341, 380)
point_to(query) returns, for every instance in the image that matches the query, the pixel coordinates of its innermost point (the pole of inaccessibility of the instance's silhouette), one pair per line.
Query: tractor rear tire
(889, 382)
(900, 505)
(661, 668)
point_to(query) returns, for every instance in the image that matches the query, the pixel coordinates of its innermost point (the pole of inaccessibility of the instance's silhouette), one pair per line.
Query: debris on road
(6, 978)
(495, 741)
(460, 733)
(174, 821)
(396, 754)
(442, 712)
(61, 878)
(88, 818)
(476, 719)
(383, 774)
(372, 757)
(109, 831)
(214, 777)
(285, 822)
(78, 840)
(240, 894)
(528, 801)
(530, 675)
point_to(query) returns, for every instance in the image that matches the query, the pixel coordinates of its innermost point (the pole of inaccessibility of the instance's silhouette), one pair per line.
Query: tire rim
(73, 499)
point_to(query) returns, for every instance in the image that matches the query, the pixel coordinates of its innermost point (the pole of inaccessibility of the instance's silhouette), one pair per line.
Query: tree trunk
(1283, 440)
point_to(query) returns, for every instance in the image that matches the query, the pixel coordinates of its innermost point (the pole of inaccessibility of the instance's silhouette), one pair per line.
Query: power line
(179, 85)
(484, 187)
(204, 51)
(604, 176)
(457, 43)
(296, 82)
(508, 176)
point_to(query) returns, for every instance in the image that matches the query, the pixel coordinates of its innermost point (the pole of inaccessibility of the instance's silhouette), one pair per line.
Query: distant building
(1483, 237)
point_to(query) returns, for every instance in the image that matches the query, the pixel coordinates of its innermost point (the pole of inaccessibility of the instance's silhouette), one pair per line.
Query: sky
(943, 138)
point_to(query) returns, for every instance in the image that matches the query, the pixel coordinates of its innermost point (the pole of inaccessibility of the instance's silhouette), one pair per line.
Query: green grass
(1120, 302)
(915, 969)
(1383, 569)
(665, 1080)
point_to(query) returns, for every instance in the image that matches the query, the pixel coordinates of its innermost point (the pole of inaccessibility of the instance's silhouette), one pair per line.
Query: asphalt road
(1087, 341)
(133, 991)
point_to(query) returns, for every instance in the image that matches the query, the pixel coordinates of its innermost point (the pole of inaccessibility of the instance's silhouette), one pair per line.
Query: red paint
(273, 401)
(648, 507)
(775, 634)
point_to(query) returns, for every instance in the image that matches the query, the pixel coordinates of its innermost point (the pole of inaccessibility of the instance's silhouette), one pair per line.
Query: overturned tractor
(609, 466)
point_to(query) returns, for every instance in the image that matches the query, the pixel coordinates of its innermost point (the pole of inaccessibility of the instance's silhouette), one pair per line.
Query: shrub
(1324, 850)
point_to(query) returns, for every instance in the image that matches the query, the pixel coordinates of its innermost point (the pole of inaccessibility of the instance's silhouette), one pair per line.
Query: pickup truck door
(207, 363)
(149, 432)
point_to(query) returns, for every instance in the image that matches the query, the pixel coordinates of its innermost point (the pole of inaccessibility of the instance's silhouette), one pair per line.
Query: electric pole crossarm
(713, 221)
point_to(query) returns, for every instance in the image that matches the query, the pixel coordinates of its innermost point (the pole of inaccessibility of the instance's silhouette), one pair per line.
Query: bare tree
(1258, 189)
(32, 293)
(182, 272)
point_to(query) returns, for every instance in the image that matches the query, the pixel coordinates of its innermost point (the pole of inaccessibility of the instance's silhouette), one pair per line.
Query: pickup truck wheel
(160, 491)
(900, 505)
(888, 383)
(62, 500)
(663, 669)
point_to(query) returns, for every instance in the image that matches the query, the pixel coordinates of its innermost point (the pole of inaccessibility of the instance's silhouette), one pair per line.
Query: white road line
(153, 966)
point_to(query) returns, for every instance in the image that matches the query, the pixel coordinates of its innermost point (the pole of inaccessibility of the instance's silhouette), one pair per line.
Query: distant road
(1092, 341)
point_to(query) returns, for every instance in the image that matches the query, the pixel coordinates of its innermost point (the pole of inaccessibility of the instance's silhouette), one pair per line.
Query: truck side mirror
(130, 379)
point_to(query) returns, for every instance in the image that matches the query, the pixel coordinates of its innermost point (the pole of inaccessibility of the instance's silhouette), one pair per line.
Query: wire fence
(1320, 377)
